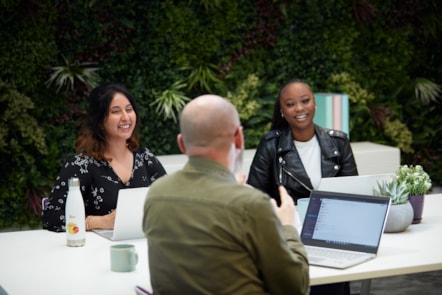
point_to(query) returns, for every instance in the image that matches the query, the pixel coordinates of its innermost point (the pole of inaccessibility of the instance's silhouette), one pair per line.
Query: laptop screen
(345, 221)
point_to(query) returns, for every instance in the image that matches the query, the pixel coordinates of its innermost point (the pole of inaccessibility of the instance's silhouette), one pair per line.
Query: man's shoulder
(249, 195)
(250, 190)
(167, 180)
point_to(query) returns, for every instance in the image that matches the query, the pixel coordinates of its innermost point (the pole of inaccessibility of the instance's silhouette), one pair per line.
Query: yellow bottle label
(73, 228)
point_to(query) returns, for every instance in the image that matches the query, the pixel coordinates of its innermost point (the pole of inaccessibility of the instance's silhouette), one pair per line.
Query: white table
(418, 249)
(39, 262)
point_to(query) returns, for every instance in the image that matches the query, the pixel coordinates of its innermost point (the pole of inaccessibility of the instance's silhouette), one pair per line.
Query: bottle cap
(74, 181)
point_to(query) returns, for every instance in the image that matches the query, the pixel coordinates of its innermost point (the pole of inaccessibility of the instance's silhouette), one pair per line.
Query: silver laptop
(129, 216)
(360, 184)
(341, 230)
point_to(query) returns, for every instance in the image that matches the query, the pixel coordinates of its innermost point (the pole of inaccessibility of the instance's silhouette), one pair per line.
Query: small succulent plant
(396, 190)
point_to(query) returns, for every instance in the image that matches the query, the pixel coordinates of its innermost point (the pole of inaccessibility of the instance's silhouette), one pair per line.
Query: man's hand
(240, 178)
(287, 211)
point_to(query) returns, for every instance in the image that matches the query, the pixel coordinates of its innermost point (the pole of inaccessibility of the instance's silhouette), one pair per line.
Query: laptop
(129, 216)
(342, 230)
(359, 184)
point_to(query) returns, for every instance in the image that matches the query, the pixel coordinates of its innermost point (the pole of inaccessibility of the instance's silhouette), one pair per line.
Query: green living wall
(385, 54)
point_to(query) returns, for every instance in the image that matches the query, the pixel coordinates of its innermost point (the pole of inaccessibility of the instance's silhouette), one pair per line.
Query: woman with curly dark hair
(108, 158)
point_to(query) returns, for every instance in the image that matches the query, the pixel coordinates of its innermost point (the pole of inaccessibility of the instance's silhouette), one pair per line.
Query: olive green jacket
(209, 235)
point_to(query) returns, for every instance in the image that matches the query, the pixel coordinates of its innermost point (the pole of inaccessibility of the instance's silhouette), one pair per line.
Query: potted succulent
(417, 183)
(400, 215)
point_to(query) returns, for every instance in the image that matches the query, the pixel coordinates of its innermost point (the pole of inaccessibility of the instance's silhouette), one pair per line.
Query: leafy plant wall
(385, 54)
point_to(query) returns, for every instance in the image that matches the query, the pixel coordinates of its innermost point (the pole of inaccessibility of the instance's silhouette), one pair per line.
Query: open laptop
(360, 184)
(341, 230)
(129, 216)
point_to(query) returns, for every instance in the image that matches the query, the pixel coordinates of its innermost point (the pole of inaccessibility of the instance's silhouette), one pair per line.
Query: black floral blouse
(99, 185)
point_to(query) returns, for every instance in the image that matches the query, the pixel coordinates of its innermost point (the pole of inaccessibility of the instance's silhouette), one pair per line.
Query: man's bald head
(208, 121)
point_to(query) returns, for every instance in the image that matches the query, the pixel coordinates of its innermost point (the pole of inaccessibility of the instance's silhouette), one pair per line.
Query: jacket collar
(328, 147)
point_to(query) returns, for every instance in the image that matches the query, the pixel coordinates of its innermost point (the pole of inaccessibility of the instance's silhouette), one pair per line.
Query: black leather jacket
(277, 161)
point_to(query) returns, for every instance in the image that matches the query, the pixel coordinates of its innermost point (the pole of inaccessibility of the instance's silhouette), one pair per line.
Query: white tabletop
(418, 249)
(39, 262)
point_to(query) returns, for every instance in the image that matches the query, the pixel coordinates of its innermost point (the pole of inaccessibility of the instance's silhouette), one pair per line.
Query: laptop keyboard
(316, 254)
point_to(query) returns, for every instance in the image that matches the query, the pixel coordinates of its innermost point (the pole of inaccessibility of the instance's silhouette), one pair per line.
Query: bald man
(206, 233)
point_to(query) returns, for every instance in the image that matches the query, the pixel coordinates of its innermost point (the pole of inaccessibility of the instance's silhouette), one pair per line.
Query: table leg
(365, 287)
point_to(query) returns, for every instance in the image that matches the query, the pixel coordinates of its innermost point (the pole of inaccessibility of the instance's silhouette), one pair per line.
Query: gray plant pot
(399, 218)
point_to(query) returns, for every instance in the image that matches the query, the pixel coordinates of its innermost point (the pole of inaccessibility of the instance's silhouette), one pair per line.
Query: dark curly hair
(92, 139)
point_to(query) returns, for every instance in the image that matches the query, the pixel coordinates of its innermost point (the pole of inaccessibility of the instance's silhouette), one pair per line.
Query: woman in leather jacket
(297, 154)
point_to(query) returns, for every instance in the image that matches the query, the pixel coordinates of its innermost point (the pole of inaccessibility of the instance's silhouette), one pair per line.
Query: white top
(310, 153)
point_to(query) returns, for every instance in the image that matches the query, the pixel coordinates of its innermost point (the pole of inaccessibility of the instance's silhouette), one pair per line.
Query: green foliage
(22, 186)
(345, 83)
(244, 97)
(27, 43)
(426, 130)
(399, 133)
(367, 113)
(19, 130)
(427, 91)
(22, 141)
(385, 54)
(388, 55)
(202, 76)
(171, 101)
(210, 4)
(65, 76)
(324, 29)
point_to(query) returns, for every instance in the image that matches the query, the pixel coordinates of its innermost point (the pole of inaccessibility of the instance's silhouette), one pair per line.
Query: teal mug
(124, 257)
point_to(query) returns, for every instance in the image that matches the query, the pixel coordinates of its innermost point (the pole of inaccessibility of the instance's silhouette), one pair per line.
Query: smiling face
(121, 119)
(298, 108)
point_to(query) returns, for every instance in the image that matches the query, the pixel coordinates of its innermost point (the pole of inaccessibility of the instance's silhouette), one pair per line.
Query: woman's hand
(101, 222)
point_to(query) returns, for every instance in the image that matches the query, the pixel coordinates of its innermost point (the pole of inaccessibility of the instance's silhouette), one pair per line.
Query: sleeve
(261, 170)
(53, 218)
(157, 168)
(151, 168)
(278, 250)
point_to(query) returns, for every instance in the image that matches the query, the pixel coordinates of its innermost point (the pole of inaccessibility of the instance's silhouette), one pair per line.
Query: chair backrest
(44, 204)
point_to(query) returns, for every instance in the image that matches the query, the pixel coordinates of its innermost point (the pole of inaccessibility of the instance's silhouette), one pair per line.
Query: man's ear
(239, 139)
(180, 142)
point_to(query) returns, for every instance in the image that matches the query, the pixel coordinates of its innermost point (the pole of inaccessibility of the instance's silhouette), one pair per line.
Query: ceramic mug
(123, 257)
